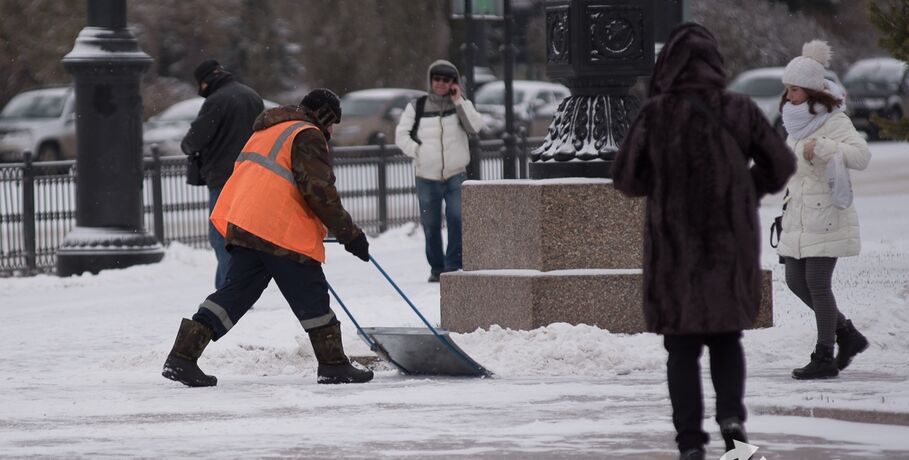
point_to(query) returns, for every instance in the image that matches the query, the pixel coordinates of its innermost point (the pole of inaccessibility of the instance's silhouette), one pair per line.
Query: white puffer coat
(443, 150)
(812, 226)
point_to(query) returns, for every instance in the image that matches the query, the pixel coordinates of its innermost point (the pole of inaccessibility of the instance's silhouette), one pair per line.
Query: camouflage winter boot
(334, 366)
(851, 343)
(822, 365)
(180, 366)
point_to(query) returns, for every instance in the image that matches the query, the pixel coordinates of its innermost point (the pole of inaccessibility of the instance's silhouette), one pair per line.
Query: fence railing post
(28, 214)
(524, 154)
(474, 168)
(383, 184)
(157, 195)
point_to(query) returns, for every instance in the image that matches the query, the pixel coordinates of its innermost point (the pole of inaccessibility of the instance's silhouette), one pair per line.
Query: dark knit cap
(205, 68)
(325, 104)
(444, 70)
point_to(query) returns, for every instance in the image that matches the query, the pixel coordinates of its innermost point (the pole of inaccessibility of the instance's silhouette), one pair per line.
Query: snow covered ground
(81, 360)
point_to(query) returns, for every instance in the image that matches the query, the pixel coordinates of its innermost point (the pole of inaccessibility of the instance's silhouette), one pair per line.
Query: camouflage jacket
(315, 179)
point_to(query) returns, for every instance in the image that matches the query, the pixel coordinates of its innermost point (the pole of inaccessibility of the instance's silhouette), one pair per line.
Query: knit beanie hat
(325, 104)
(807, 70)
(444, 70)
(205, 68)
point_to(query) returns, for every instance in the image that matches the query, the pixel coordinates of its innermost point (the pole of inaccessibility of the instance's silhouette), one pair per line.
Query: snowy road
(80, 368)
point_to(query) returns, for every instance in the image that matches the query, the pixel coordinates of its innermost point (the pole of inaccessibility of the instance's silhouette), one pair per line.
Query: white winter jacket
(443, 151)
(812, 226)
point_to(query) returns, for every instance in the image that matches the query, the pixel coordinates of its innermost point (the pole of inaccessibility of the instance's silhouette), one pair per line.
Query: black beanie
(325, 104)
(444, 70)
(206, 67)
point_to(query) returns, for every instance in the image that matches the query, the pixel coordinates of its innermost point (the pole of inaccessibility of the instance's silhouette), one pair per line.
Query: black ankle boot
(334, 366)
(692, 454)
(180, 366)
(822, 365)
(732, 429)
(851, 343)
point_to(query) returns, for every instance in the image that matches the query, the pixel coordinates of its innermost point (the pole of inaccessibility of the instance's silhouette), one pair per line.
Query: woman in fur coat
(703, 158)
(818, 229)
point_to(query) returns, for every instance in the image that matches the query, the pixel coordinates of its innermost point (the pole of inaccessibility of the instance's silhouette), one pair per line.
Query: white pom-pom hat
(807, 70)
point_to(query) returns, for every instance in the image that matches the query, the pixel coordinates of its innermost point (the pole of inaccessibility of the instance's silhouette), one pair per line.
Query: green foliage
(893, 25)
(897, 130)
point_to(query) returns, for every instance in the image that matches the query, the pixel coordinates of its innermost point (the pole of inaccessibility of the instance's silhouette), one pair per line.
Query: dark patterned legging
(810, 279)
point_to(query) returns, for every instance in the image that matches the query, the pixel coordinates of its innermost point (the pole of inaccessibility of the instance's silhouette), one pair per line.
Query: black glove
(358, 247)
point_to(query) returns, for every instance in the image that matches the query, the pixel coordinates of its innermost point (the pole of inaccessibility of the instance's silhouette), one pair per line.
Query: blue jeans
(431, 193)
(217, 242)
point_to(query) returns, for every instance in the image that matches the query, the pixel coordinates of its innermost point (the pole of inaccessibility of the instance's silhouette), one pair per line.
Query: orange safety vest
(261, 195)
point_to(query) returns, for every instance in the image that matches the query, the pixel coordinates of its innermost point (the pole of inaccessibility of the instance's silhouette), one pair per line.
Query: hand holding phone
(455, 92)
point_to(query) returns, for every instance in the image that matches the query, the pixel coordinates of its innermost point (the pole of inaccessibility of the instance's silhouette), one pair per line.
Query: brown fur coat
(703, 184)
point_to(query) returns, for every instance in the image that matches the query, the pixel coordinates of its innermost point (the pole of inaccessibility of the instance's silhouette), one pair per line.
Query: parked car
(765, 87)
(877, 86)
(368, 112)
(42, 121)
(482, 76)
(534, 106)
(168, 128)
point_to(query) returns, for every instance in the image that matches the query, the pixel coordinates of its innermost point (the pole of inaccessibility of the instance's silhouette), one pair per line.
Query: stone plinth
(528, 299)
(550, 224)
(537, 252)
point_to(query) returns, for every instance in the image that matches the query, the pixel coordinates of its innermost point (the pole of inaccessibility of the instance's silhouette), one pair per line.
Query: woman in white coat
(817, 230)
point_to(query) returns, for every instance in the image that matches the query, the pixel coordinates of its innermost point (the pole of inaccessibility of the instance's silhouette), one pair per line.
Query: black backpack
(420, 106)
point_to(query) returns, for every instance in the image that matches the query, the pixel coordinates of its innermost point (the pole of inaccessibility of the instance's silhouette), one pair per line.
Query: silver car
(167, 129)
(765, 87)
(42, 121)
(877, 86)
(534, 106)
(368, 112)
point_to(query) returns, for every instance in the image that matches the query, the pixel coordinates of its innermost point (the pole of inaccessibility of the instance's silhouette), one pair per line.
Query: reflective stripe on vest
(261, 195)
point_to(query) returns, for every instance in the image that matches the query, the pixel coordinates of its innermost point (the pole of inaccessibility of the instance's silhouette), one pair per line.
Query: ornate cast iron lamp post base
(584, 136)
(598, 48)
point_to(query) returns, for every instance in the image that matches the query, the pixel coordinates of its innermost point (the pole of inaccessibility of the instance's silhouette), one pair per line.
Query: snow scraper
(415, 350)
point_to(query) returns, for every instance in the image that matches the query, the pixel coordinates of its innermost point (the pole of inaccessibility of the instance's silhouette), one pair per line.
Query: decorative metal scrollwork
(588, 128)
(559, 39)
(615, 34)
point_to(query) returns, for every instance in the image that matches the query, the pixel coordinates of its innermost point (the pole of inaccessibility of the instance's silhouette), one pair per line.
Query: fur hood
(690, 60)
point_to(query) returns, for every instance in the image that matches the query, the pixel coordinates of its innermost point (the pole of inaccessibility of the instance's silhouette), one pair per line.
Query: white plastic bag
(839, 181)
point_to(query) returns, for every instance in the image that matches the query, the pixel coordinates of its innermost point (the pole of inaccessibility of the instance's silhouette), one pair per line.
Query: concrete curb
(846, 415)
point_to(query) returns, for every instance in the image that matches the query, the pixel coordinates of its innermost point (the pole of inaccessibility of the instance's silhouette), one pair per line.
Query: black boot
(334, 367)
(851, 343)
(692, 454)
(180, 366)
(822, 365)
(732, 429)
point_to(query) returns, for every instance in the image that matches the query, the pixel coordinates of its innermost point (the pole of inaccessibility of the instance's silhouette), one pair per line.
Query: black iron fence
(38, 200)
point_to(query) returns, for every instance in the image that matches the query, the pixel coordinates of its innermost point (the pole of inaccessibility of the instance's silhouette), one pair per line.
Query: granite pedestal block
(529, 299)
(537, 252)
(550, 224)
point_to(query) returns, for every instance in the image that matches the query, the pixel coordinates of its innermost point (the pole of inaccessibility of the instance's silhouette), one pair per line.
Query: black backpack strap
(776, 228)
(420, 107)
(702, 107)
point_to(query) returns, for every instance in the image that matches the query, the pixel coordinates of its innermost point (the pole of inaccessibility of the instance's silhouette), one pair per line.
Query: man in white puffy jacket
(436, 138)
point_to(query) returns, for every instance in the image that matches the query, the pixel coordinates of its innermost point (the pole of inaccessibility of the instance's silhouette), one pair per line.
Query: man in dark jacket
(217, 134)
(703, 158)
(274, 211)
